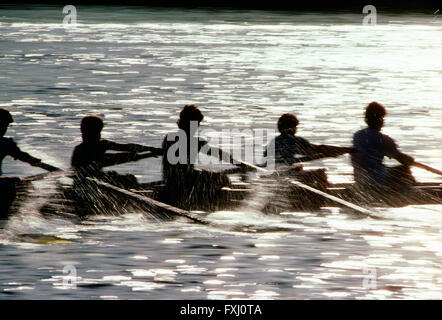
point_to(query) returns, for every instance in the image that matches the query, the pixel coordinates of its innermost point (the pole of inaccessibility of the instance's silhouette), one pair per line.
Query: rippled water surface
(137, 67)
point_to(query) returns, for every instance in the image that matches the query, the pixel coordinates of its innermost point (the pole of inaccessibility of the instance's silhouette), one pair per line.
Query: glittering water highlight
(137, 67)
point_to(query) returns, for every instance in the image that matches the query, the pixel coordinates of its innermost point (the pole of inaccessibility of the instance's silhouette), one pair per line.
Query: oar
(313, 157)
(46, 166)
(154, 204)
(124, 157)
(53, 171)
(120, 159)
(40, 176)
(333, 198)
(425, 167)
(319, 192)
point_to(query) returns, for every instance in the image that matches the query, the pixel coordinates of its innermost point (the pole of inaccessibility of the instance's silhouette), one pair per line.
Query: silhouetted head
(374, 115)
(91, 127)
(5, 120)
(287, 123)
(189, 113)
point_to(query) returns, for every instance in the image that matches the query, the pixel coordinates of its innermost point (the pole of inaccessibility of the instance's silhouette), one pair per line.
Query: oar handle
(124, 157)
(428, 168)
(146, 155)
(46, 166)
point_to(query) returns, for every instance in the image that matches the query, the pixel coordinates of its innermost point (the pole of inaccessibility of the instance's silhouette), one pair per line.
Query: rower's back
(7, 145)
(90, 154)
(284, 148)
(186, 186)
(367, 162)
(9, 148)
(371, 147)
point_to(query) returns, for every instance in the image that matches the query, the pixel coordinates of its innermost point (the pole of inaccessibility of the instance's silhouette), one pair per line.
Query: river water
(137, 67)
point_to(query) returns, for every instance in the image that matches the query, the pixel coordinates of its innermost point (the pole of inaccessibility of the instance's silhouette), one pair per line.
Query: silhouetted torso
(172, 170)
(285, 147)
(91, 155)
(7, 148)
(372, 146)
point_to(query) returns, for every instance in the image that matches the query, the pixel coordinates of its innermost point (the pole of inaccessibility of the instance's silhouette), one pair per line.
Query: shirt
(8, 148)
(92, 155)
(180, 153)
(371, 147)
(285, 147)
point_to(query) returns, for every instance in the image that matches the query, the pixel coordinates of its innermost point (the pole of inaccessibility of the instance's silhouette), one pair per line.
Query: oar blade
(157, 206)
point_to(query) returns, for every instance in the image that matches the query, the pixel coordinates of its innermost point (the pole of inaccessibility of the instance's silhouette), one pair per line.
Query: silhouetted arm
(130, 153)
(325, 150)
(133, 148)
(226, 156)
(35, 162)
(334, 151)
(405, 159)
(112, 159)
(392, 151)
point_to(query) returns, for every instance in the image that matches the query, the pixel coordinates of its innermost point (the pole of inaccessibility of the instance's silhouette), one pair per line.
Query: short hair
(190, 112)
(92, 123)
(5, 116)
(287, 121)
(374, 113)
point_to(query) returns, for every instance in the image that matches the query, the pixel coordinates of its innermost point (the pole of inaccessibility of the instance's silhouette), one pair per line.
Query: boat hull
(91, 199)
(292, 198)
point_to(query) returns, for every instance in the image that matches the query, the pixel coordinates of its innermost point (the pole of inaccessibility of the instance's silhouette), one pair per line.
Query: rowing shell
(102, 199)
(292, 197)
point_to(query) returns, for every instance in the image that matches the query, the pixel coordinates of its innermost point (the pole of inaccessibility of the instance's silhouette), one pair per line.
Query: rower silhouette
(372, 146)
(287, 147)
(287, 151)
(8, 147)
(91, 156)
(186, 185)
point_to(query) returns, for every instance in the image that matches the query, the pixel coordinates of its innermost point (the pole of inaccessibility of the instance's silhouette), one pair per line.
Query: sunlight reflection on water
(244, 69)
